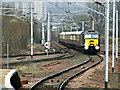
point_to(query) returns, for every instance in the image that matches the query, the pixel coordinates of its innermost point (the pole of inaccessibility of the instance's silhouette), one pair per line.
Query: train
(86, 41)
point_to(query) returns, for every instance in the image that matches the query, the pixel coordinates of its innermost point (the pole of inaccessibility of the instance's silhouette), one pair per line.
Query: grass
(30, 68)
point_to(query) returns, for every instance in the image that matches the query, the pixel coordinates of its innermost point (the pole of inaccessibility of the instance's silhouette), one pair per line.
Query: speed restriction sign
(47, 45)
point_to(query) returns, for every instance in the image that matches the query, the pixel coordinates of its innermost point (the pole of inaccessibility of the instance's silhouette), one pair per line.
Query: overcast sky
(62, 7)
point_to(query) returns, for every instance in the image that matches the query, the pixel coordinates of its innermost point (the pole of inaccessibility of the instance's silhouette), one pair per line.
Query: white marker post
(7, 56)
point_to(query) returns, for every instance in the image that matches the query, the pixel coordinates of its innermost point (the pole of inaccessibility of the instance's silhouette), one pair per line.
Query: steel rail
(58, 73)
(61, 57)
(19, 55)
(71, 77)
(25, 54)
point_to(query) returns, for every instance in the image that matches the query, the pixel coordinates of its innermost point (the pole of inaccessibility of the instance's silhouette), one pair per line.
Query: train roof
(67, 33)
(91, 31)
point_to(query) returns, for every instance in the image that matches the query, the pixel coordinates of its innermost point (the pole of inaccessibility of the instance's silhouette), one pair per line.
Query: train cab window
(87, 36)
(91, 36)
(95, 36)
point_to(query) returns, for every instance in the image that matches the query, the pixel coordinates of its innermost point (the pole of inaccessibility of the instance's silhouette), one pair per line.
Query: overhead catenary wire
(91, 9)
(58, 6)
(66, 11)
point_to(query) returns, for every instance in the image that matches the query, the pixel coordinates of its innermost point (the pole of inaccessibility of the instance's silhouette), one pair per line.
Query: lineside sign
(47, 45)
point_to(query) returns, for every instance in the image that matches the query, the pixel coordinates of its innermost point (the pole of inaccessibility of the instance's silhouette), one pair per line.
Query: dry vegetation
(16, 33)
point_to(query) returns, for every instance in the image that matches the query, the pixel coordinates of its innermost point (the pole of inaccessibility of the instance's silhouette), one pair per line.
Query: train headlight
(86, 46)
(97, 47)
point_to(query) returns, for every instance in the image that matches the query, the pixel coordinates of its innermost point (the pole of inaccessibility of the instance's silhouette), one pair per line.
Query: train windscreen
(95, 36)
(88, 36)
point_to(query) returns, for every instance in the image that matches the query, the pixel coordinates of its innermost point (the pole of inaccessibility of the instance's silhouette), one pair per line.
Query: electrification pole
(83, 26)
(116, 35)
(43, 33)
(1, 39)
(31, 30)
(93, 25)
(62, 27)
(106, 44)
(48, 27)
(71, 28)
(113, 36)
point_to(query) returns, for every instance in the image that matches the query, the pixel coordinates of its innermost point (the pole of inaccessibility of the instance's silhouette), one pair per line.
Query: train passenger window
(95, 36)
(87, 36)
(63, 36)
(73, 37)
(77, 37)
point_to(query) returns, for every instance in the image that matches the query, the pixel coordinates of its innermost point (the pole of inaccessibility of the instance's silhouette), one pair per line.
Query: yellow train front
(91, 41)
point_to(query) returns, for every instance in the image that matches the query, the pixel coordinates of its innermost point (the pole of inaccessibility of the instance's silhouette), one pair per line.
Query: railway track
(59, 80)
(64, 55)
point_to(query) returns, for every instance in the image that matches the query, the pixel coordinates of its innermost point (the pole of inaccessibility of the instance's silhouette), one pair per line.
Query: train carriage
(71, 39)
(89, 41)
